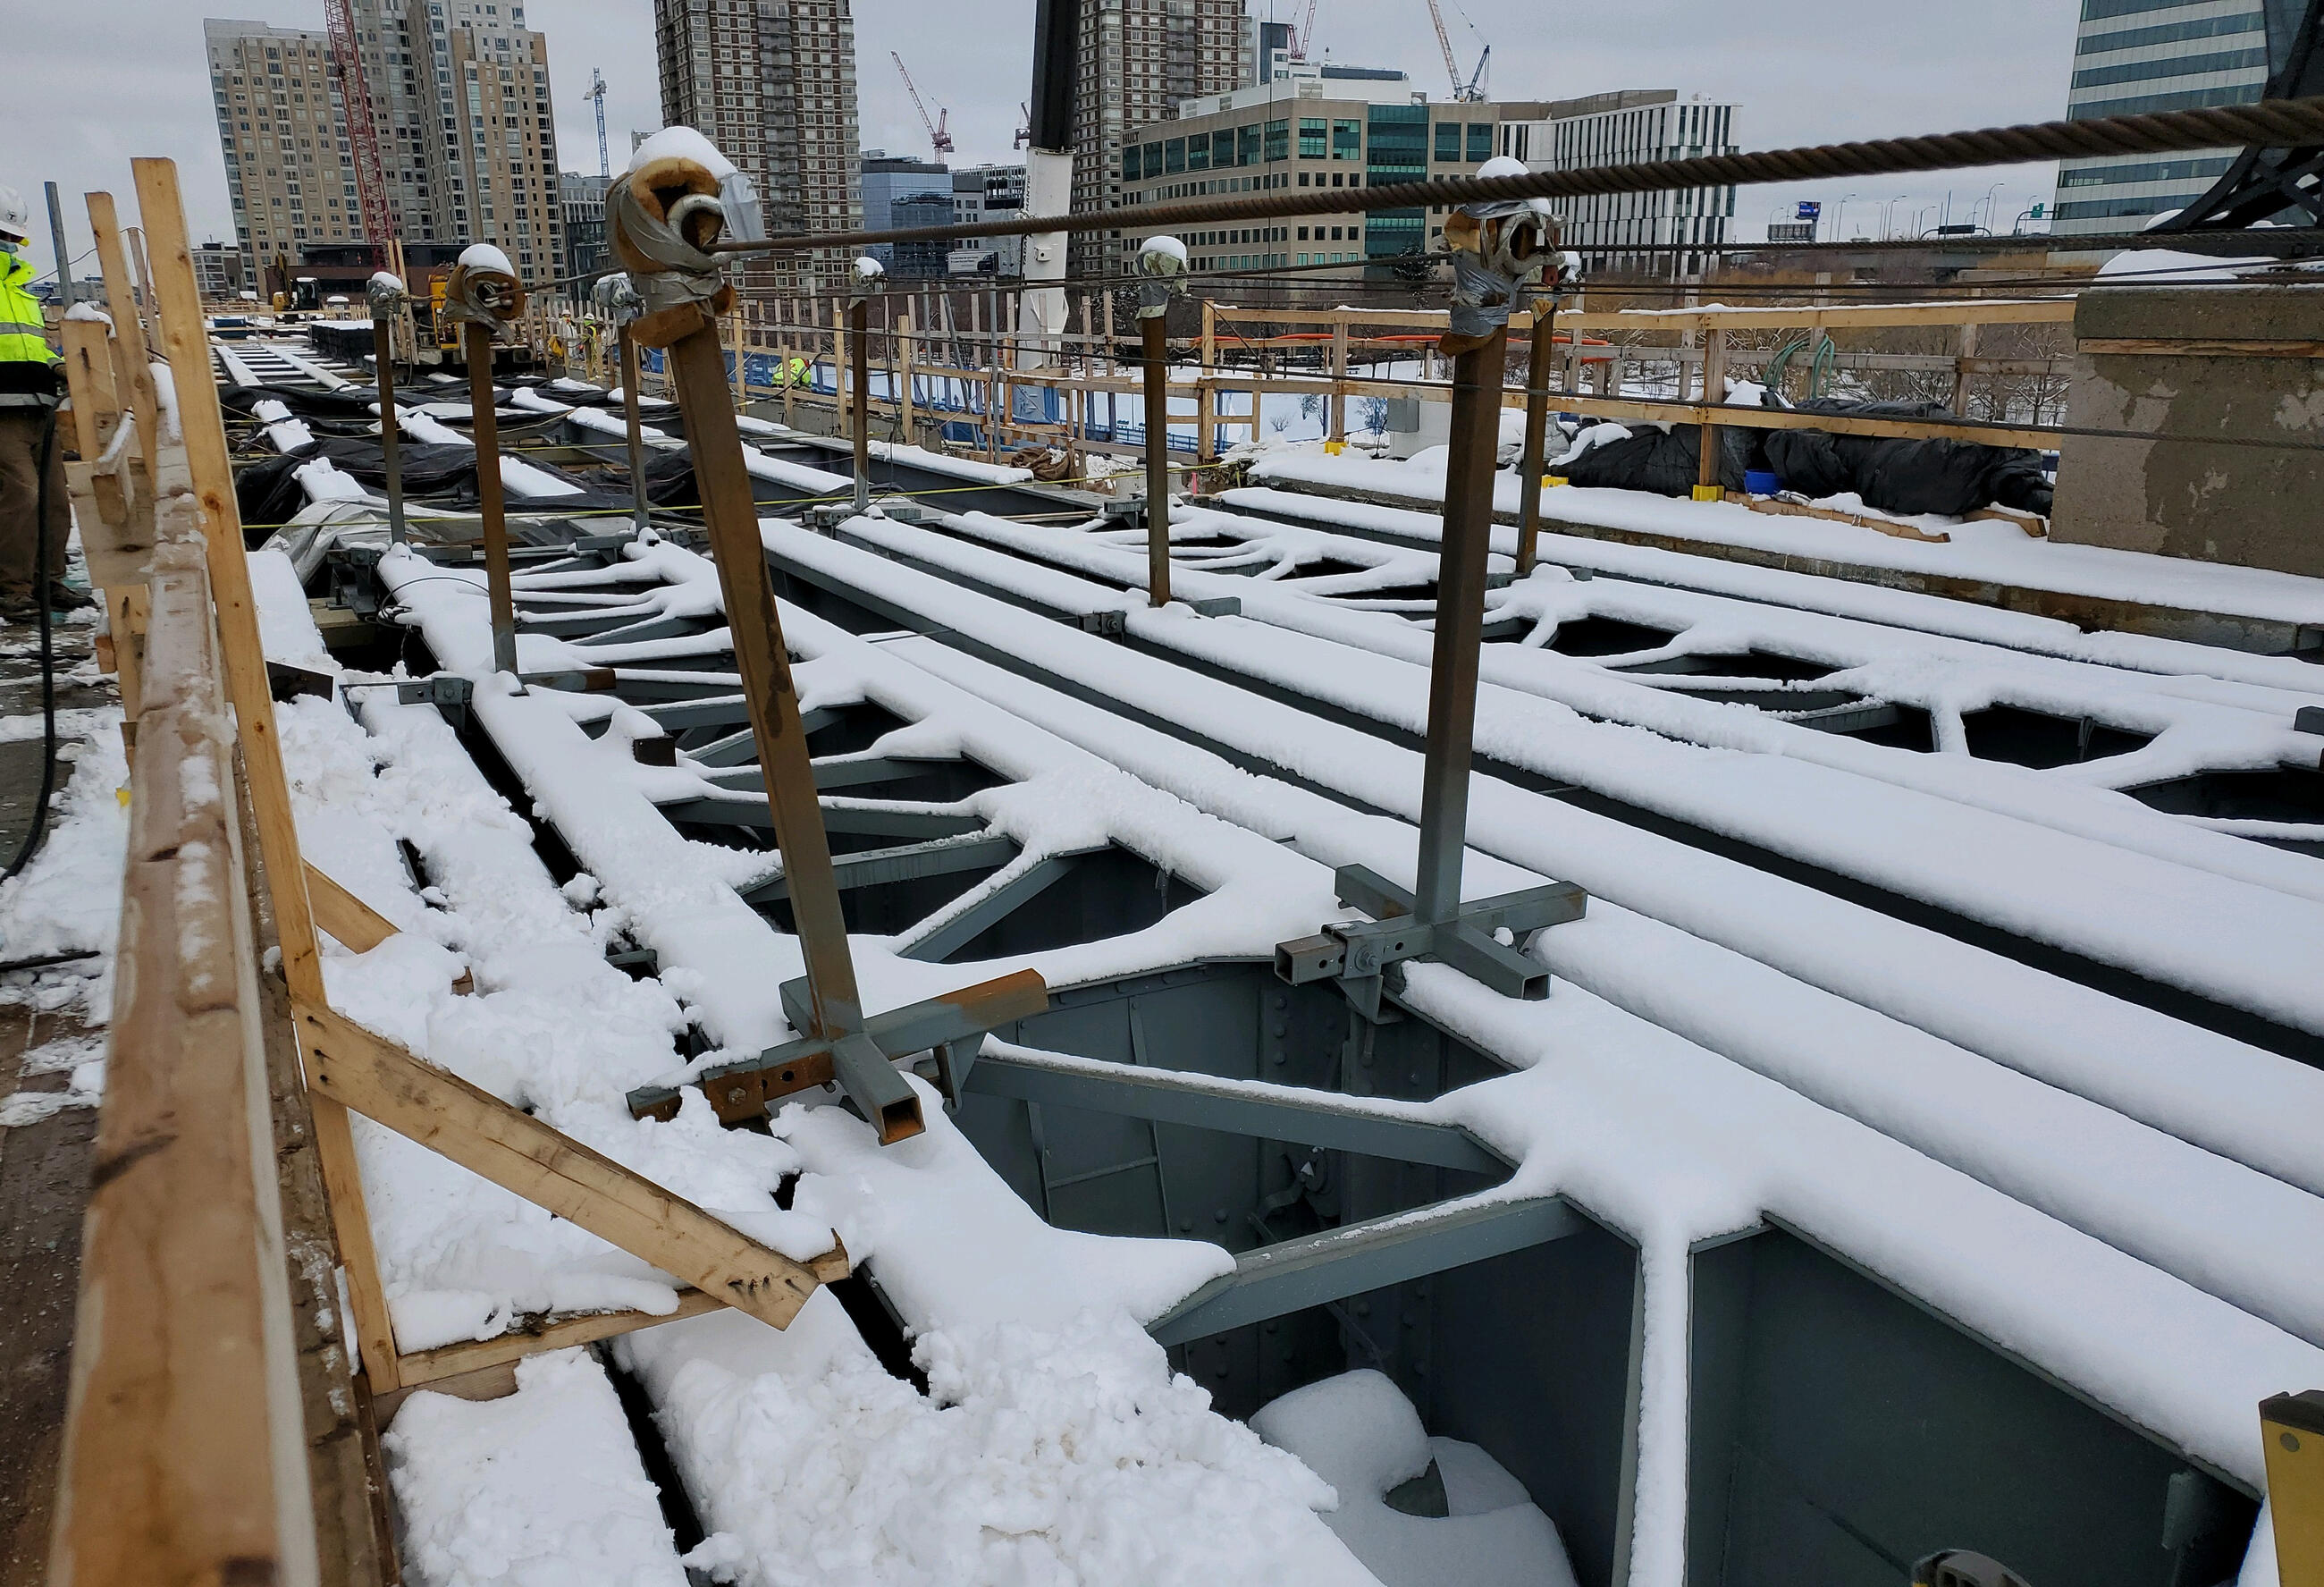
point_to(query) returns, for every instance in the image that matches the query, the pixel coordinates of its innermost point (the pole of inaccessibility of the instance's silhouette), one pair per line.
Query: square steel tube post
(634, 428)
(476, 347)
(834, 1008)
(1537, 431)
(859, 319)
(1475, 438)
(1154, 336)
(390, 437)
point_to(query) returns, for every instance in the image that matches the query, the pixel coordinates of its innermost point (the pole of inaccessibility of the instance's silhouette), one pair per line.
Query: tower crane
(597, 92)
(1470, 92)
(363, 136)
(1303, 33)
(937, 135)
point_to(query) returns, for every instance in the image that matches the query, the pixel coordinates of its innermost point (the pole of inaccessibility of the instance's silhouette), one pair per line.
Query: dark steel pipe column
(391, 438)
(1155, 340)
(858, 354)
(476, 345)
(1474, 440)
(636, 440)
(1536, 430)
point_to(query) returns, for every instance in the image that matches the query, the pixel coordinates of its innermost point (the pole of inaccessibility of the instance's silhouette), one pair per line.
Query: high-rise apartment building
(1137, 61)
(2134, 57)
(583, 200)
(772, 83)
(284, 133)
(460, 106)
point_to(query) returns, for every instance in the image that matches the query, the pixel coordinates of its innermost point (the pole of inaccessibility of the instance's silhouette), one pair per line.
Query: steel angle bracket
(1366, 956)
(862, 1064)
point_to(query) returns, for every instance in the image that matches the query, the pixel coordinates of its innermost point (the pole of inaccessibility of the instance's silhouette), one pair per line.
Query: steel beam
(1205, 1102)
(633, 431)
(1154, 344)
(1293, 1274)
(1536, 430)
(906, 862)
(996, 907)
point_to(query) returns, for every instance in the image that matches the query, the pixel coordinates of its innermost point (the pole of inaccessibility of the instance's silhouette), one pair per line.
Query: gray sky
(127, 77)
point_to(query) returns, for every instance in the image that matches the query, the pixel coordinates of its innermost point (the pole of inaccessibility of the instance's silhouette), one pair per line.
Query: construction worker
(796, 373)
(32, 385)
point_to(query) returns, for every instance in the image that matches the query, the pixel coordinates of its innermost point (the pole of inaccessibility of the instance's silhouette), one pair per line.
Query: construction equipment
(1303, 33)
(1023, 133)
(1471, 91)
(362, 137)
(937, 135)
(597, 93)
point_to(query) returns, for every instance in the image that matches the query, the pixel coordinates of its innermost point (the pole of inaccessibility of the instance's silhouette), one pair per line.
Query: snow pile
(680, 142)
(484, 256)
(1040, 1455)
(543, 1485)
(69, 898)
(1359, 1433)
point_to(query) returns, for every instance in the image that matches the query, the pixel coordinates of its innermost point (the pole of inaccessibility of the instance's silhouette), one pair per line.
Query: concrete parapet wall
(2205, 371)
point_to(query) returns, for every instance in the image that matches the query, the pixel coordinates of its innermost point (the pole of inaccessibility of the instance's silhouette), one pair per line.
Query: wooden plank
(89, 378)
(1959, 311)
(2171, 348)
(177, 308)
(1872, 521)
(518, 1152)
(141, 398)
(356, 925)
(184, 1460)
(451, 1360)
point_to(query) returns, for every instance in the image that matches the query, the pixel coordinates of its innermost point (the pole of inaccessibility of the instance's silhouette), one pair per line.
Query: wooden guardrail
(199, 1442)
(1088, 369)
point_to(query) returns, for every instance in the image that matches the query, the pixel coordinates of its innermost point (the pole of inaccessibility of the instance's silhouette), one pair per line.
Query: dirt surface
(44, 1185)
(44, 1160)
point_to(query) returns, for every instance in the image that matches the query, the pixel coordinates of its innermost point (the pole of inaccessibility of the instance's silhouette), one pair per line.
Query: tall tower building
(2133, 58)
(460, 104)
(284, 135)
(772, 83)
(1138, 60)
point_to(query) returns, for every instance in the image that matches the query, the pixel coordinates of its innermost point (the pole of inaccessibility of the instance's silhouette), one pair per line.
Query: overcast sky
(127, 77)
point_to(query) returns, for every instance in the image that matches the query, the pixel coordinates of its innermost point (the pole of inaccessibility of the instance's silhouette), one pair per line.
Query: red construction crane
(363, 138)
(1302, 35)
(936, 134)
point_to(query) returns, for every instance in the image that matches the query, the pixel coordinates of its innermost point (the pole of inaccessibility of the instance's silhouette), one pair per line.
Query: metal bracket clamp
(862, 1062)
(386, 293)
(616, 301)
(480, 293)
(1498, 248)
(1363, 955)
(663, 239)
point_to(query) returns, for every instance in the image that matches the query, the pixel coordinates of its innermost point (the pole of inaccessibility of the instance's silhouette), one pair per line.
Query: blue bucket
(1761, 482)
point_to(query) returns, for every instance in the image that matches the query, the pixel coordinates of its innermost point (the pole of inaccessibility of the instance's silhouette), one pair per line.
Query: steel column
(1154, 337)
(859, 316)
(634, 428)
(391, 435)
(476, 347)
(1536, 430)
(1460, 626)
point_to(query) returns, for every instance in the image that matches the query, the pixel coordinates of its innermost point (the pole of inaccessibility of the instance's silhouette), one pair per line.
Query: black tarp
(1666, 462)
(1946, 477)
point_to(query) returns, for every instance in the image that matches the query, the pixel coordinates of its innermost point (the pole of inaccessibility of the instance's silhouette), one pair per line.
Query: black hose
(40, 826)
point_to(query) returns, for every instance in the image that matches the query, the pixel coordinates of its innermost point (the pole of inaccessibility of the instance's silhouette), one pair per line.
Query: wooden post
(859, 331)
(904, 378)
(1336, 421)
(1206, 434)
(492, 506)
(633, 431)
(839, 384)
(789, 384)
(1105, 329)
(1714, 394)
(128, 331)
(734, 323)
(1537, 431)
(179, 306)
(1155, 336)
(1966, 349)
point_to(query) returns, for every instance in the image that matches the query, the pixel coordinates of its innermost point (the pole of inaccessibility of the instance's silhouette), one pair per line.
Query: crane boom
(363, 136)
(937, 135)
(597, 92)
(1444, 42)
(1302, 36)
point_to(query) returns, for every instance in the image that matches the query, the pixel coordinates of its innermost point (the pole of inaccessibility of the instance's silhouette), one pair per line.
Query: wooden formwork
(207, 1436)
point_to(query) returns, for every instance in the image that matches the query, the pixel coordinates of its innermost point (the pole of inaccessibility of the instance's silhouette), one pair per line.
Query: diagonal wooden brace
(474, 1129)
(862, 1064)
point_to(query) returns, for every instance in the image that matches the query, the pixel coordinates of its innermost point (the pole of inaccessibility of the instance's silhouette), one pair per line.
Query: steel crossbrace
(860, 1062)
(1359, 953)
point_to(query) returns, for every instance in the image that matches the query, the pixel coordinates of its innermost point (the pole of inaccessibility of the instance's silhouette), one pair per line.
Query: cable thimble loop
(482, 289)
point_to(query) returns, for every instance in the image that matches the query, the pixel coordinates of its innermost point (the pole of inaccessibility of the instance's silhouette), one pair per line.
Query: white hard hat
(12, 215)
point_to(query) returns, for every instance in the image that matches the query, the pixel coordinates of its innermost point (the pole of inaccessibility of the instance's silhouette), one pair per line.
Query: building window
(1312, 141)
(1173, 156)
(1347, 142)
(1278, 141)
(1247, 145)
(1448, 143)
(1481, 142)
